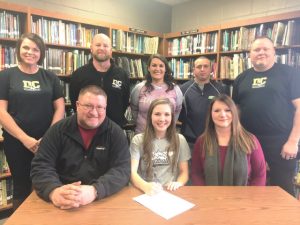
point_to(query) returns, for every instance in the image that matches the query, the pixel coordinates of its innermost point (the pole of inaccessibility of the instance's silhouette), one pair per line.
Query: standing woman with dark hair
(159, 83)
(226, 154)
(31, 100)
(159, 157)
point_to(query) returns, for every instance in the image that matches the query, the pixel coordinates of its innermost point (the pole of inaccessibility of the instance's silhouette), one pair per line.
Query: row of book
(4, 168)
(291, 58)
(136, 68)
(7, 57)
(231, 67)
(64, 62)
(9, 25)
(183, 68)
(66, 91)
(134, 43)
(6, 191)
(282, 34)
(59, 32)
(193, 44)
(59, 61)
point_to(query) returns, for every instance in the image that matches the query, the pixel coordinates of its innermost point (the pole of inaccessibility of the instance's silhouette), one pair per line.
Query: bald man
(102, 71)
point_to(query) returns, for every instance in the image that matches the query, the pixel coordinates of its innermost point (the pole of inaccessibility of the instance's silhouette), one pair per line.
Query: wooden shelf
(6, 207)
(4, 175)
(12, 40)
(116, 52)
(193, 55)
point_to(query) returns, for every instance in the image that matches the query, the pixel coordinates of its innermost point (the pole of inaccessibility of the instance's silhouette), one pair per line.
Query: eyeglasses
(89, 107)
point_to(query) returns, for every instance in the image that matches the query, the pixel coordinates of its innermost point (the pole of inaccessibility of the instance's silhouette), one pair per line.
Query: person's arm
(126, 92)
(43, 173)
(136, 151)
(197, 171)
(179, 99)
(134, 101)
(290, 148)
(9, 124)
(183, 168)
(258, 166)
(182, 177)
(147, 187)
(118, 174)
(59, 110)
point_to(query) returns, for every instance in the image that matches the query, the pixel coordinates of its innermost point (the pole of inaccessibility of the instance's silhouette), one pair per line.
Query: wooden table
(214, 206)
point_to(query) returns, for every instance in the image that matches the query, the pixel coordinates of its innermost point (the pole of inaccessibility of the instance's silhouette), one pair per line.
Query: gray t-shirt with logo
(162, 167)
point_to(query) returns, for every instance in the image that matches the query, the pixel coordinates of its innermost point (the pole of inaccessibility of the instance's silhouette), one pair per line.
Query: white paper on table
(164, 204)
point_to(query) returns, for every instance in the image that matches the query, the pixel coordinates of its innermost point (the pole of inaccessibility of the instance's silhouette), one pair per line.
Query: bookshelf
(132, 48)
(13, 22)
(68, 39)
(182, 48)
(230, 52)
(236, 38)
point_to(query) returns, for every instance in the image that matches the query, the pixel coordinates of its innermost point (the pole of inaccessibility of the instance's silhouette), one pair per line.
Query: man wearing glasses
(83, 157)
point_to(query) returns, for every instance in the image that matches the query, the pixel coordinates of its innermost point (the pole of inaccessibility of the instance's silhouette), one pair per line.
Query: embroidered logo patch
(117, 84)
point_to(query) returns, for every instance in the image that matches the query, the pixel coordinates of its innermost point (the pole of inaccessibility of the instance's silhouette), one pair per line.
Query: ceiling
(172, 2)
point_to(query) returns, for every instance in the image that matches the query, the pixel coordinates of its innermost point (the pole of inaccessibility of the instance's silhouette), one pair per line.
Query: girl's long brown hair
(149, 136)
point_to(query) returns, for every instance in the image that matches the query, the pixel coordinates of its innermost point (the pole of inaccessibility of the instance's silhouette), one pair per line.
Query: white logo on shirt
(117, 84)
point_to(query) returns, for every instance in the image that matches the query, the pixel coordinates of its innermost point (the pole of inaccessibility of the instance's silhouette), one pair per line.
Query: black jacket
(195, 106)
(115, 83)
(62, 159)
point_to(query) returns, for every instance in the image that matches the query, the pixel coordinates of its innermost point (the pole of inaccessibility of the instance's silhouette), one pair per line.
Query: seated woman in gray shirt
(159, 156)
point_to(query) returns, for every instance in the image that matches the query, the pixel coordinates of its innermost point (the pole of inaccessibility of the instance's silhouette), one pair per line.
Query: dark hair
(168, 78)
(94, 89)
(149, 136)
(37, 40)
(240, 138)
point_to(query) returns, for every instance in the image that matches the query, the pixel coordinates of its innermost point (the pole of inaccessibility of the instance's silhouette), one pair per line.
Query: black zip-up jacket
(195, 106)
(62, 159)
(115, 83)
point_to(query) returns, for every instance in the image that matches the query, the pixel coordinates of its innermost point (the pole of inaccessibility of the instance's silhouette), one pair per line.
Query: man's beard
(101, 58)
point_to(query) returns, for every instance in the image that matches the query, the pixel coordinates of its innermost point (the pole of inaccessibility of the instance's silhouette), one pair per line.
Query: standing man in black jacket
(83, 157)
(197, 94)
(102, 71)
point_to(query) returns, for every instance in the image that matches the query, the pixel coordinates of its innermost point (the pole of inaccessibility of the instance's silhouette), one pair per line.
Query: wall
(142, 14)
(196, 14)
(154, 16)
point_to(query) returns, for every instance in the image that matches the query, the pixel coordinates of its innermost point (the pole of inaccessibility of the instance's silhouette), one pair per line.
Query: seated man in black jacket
(83, 157)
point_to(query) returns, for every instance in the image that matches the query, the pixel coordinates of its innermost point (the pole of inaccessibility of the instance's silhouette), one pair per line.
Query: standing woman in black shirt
(31, 100)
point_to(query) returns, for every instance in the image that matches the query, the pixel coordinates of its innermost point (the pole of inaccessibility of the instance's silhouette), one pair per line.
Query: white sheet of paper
(164, 204)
